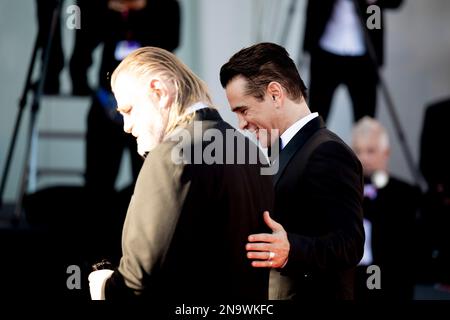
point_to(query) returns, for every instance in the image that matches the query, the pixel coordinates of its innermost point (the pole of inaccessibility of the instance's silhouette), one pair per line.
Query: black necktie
(279, 145)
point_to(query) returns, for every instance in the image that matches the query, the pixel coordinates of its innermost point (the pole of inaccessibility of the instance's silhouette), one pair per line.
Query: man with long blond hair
(187, 224)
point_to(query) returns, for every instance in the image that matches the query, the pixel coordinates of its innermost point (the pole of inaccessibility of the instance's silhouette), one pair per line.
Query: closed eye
(241, 110)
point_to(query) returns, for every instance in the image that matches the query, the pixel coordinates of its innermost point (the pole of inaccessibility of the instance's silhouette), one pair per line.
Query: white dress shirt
(343, 35)
(195, 107)
(367, 258)
(293, 129)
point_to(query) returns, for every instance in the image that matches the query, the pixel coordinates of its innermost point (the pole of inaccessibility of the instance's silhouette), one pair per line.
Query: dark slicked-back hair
(261, 64)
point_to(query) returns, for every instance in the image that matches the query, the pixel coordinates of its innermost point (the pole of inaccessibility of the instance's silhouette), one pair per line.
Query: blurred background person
(122, 26)
(390, 208)
(334, 39)
(435, 166)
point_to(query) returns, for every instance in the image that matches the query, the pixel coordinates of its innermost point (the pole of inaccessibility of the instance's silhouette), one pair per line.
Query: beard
(145, 145)
(147, 142)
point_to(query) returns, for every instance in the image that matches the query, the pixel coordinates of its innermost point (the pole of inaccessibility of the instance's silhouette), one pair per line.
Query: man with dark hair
(319, 239)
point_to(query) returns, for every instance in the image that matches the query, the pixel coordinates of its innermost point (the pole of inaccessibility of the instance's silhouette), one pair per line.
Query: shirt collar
(195, 107)
(293, 129)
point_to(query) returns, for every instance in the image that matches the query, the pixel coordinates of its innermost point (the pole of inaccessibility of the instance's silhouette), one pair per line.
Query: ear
(160, 93)
(275, 92)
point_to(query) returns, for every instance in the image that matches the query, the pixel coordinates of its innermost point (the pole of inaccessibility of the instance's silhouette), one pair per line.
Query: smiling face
(141, 112)
(257, 116)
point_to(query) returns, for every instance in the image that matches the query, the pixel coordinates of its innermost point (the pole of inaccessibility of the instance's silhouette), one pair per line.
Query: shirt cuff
(97, 280)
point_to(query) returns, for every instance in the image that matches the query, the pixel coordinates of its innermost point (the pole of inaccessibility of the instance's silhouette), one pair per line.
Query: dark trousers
(105, 144)
(397, 283)
(87, 38)
(328, 71)
(45, 10)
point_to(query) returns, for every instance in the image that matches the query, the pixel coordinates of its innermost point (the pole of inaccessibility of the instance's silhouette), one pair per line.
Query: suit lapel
(296, 144)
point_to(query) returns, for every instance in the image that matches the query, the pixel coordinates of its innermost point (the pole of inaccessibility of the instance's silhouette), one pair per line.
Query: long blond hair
(189, 89)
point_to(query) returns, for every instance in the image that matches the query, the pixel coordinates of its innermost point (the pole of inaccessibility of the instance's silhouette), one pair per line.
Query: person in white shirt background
(334, 39)
(390, 206)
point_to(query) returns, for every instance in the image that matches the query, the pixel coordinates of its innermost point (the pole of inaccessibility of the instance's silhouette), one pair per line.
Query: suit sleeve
(149, 225)
(333, 176)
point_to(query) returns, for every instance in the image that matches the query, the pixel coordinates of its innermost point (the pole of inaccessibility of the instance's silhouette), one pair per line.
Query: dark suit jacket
(319, 12)
(318, 199)
(392, 214)
(187, 224)
(434, 162)
(143, 26)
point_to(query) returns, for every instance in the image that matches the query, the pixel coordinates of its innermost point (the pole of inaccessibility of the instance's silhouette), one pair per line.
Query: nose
(242, 122)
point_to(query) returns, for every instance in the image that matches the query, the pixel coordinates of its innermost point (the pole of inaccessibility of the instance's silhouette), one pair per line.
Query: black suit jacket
(434, 162)
(187, 224)
(319, 12)
(157, 25)
(392, 215)
(318, 199)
